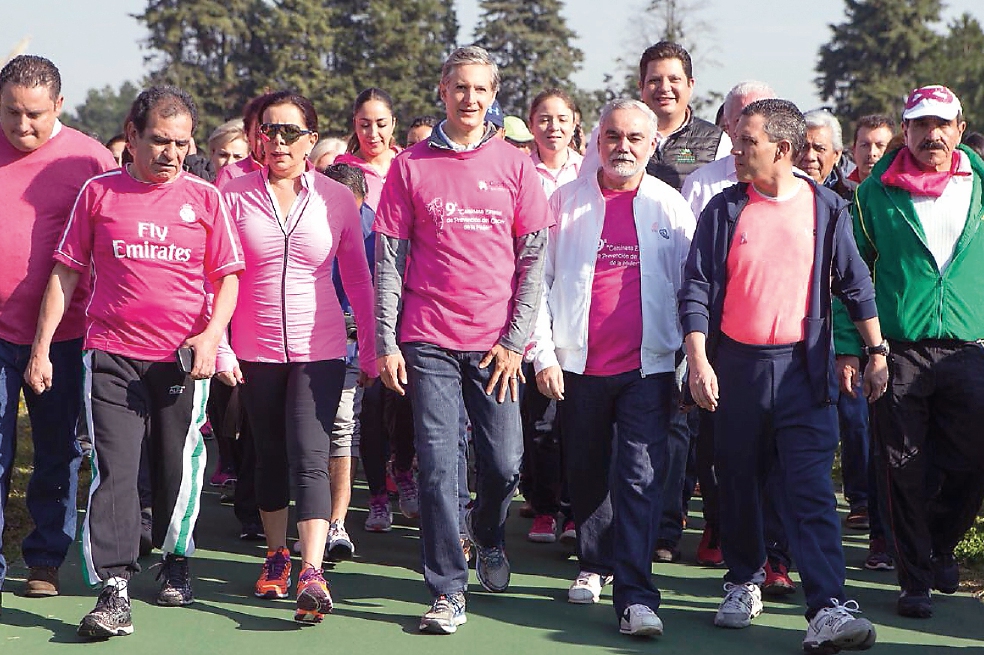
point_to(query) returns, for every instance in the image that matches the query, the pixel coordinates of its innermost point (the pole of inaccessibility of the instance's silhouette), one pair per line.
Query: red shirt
(462, 212)
(150, 248)
(38, 190)
(615, 313)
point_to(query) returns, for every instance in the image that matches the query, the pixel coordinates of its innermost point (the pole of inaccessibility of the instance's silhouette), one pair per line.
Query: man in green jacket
(917, 222)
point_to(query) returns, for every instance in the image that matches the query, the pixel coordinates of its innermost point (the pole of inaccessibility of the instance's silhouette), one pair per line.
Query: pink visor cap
(936, 101)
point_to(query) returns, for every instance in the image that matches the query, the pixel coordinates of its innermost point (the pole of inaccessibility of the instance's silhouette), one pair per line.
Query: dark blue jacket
(838, 268)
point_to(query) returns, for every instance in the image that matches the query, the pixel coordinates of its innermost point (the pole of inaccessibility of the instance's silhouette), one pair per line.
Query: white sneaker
(380, 517)
(836, 628)
(640, 621)
(741, 604)
(586, 588)
(339, 544)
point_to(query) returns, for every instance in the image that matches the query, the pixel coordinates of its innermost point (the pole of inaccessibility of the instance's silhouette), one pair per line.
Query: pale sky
(96, 42)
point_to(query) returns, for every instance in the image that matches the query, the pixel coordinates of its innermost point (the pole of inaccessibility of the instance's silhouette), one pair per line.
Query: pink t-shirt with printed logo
(770, 265)
(615, 314)
(150, 248)
(461, 212)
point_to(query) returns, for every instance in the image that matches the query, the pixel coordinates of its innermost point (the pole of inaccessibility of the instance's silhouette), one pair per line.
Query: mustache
(932, 145)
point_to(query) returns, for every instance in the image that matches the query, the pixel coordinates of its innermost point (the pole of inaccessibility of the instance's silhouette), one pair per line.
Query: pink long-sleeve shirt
(288, 310)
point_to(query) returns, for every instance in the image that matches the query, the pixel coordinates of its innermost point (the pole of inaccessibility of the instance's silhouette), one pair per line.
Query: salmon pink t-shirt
(461, 212)
(770, 265)
(150, 248)
(615, 314)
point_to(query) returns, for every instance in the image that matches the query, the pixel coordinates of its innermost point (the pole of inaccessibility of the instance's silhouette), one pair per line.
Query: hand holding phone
(185, 358)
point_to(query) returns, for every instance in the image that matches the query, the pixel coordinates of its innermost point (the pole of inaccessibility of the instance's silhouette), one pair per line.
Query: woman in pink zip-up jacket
(288, 334)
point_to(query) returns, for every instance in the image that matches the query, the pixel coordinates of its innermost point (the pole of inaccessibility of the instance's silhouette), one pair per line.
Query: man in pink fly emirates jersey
(462, 226)
(151, 235)
(42, 166)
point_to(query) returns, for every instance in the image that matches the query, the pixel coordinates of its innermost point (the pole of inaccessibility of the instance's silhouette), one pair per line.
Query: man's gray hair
(747, 88)
(468, 55)
(823, 118)
(628, 103)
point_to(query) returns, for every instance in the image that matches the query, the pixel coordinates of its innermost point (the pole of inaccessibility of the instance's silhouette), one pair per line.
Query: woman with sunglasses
(288, 333)
(372, 146)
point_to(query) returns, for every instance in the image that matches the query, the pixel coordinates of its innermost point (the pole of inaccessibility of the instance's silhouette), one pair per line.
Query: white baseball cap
(934, 100)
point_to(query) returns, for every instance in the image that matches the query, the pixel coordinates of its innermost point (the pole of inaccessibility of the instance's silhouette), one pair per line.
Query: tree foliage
(873, 58)
(531, 43)
(102, 112)
(226, 52)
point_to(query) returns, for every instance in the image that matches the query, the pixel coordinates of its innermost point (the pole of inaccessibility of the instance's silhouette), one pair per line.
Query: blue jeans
(615, 485)
(54, 416)
(439, 379)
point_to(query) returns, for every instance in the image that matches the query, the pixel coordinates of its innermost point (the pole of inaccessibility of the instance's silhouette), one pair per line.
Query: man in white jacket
(604, 345)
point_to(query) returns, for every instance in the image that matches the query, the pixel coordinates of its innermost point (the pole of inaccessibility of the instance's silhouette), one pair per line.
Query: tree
(959, 64)
(396, 46)
(103, 111)
(210, 48)
(531, 43)
(875, 56)
(678, 21)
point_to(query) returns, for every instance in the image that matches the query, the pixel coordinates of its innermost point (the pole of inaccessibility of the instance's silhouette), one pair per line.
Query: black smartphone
(185, 357)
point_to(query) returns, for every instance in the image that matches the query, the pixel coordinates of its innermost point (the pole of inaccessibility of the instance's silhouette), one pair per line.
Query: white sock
(120, 584)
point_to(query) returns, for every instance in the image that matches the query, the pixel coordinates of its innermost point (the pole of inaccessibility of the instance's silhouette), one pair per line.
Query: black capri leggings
(291, 410)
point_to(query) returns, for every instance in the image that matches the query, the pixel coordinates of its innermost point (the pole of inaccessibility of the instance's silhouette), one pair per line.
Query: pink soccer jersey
(150, 248)
(461, 212)
(615, 314)
(38, 190)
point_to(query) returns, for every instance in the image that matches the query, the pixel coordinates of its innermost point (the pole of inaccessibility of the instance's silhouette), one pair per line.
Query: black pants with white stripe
(126, 401)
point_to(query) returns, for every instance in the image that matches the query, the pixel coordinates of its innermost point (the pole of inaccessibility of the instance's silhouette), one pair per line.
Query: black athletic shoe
(915, 604)
(946, 573)
(146, 532)
(176, 587)
(109, 618)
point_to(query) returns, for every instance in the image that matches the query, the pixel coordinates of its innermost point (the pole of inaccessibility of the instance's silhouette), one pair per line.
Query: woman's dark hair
(253, 110)
(290, 98)
(553, 93)
(367, 95)
(975, 141)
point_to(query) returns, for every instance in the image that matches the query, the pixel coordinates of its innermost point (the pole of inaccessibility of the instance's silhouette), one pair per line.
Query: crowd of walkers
(608, 320)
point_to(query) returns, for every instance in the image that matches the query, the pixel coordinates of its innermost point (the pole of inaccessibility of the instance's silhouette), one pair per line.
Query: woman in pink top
(288, 332)
(552, 115)
(372, 146)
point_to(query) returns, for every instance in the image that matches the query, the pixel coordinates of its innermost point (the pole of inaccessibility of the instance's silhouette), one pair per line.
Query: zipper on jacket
(283, 297)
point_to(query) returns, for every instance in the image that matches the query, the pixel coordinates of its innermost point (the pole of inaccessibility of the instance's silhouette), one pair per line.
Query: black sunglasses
(289, 133)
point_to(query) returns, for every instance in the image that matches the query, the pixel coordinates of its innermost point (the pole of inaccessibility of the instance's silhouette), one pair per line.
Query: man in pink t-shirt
(605, 343)
(42, 166)
(152, 237)
(462, 226)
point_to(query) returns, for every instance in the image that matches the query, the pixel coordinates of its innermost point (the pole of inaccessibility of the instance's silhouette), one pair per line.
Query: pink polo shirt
(462, 212)
(770, 265)
(615, 313)
(236, 169)
(37, 190)
(288, 310)
(374, 180)
(150, 248)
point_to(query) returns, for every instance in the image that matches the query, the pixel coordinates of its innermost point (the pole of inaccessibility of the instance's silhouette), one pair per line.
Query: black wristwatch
(880, 349)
